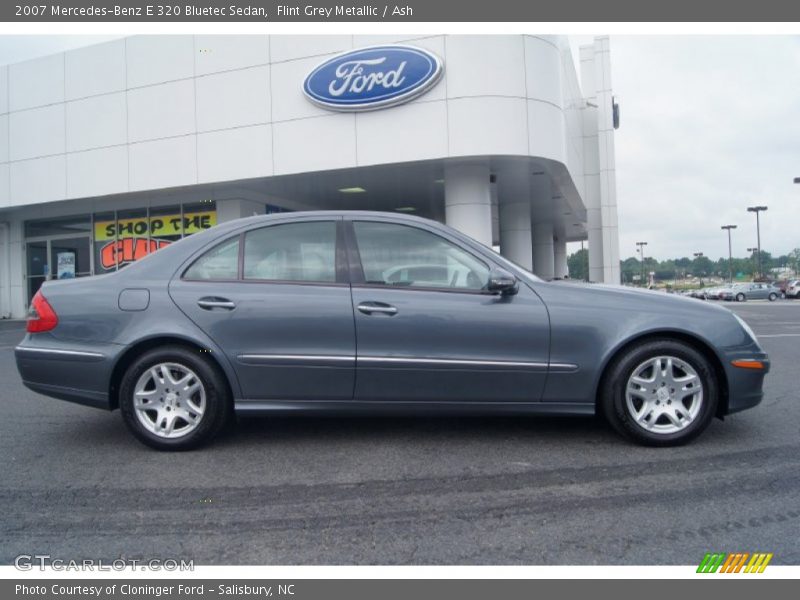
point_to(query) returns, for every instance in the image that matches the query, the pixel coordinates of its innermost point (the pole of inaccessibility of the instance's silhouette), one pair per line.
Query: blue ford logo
(372, 78)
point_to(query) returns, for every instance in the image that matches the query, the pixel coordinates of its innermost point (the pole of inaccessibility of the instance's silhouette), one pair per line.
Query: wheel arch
(141, 346)
(693, 340)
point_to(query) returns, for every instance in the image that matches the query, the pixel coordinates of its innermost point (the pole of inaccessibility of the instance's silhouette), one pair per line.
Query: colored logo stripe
(733, 562)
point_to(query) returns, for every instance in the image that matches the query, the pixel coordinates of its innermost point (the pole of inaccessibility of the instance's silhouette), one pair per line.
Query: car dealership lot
(74, 484)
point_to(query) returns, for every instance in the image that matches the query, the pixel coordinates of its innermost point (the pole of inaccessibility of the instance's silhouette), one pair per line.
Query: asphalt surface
(74, 484)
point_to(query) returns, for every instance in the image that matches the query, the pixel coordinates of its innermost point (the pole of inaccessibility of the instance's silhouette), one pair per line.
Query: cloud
(710, 125)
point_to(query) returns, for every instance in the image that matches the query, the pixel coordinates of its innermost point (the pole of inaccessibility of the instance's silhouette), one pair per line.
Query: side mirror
(502, 282)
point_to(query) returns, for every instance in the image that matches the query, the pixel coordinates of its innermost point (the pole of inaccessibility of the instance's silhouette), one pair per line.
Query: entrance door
(427, 331)
(57, 257)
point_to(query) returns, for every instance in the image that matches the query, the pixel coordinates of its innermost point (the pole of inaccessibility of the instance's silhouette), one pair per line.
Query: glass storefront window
(133, 232)
(68, 225)
(198, 216)
(83, 245)
(69, 257)
(105, 237)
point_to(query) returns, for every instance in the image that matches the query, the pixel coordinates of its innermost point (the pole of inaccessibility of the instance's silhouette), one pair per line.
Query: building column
(515, 231)
(495, 214)
(467, 200)
(514, 192)
(5, 270)
(543, 255)
(560, 256)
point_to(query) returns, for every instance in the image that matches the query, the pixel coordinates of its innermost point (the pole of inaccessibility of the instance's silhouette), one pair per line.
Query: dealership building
(114, 150)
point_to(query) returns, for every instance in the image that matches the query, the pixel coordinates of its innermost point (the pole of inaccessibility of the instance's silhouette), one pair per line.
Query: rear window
(219, 263)
(292, 252)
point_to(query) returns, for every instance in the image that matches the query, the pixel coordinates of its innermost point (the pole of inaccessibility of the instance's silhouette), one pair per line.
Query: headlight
(746, 327)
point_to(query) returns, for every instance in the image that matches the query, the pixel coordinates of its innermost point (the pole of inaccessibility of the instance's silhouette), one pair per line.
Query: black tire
(773, 297)
(740, 297)
(613, 394)
(218, 404)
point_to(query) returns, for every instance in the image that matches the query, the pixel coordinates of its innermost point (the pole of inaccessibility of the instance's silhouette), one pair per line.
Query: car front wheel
(773, 297)
(172, 398)
(660, 393)
(740, 297)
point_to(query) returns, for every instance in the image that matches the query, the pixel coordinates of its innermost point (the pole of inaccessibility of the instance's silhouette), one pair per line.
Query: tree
(702, 266)
(578, 265)
(794, 259)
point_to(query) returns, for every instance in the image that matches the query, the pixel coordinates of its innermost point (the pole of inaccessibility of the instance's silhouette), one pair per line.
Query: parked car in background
(754, 291)
(782, 285)
(714, 293)
(793, 289)
(362, 312)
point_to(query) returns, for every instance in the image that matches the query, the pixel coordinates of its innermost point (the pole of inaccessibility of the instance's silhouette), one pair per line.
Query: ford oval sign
(372, 78)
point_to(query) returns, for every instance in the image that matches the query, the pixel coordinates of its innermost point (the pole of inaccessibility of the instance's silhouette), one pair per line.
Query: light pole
(640, 250)
(751, 250)
(698, 255)
(730, 251)
(758, 209)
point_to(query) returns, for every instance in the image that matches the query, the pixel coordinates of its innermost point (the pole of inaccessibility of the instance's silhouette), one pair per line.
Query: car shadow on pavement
(410, 429)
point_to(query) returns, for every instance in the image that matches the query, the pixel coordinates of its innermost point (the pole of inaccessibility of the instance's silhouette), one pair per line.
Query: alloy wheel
(169, 400)
(664, 395)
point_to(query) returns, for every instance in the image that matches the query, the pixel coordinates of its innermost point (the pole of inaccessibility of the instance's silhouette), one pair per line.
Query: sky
(709, 126)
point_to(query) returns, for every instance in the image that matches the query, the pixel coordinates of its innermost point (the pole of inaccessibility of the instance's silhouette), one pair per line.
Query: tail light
(41, 316)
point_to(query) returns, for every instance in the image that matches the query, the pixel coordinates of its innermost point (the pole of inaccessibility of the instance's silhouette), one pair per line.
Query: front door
(280, 309)
(426, 329)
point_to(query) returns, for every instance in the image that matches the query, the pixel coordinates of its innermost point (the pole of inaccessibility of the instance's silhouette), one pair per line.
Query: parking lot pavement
(74, 484)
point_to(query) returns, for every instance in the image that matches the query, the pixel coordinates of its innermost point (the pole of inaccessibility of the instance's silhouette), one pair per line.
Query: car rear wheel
(660, 393)
(740, 297)
(172, 398)
(772, 297)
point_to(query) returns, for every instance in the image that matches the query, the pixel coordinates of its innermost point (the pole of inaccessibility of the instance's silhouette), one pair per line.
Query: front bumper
(745, 384)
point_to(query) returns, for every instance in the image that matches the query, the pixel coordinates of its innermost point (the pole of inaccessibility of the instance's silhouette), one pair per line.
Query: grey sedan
(754, 291)
(358, 312)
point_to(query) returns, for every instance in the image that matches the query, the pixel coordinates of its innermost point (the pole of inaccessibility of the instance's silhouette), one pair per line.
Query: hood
(636, 297)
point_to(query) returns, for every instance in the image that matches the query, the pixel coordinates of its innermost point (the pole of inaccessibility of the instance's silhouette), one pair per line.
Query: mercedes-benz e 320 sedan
(359, 312)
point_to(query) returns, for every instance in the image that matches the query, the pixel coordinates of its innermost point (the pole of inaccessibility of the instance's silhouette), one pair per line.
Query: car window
(221, 262)
(403, 256)
(292, 252)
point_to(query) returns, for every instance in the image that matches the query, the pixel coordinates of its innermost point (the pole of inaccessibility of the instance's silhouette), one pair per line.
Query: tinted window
(221, 262)
(292, 252)
(403, 256)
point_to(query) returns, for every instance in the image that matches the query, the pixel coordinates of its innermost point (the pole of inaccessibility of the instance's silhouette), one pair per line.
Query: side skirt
(361, 407)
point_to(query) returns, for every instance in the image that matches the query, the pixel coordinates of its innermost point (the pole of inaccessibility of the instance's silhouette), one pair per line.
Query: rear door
(277, 301)
(426, 329)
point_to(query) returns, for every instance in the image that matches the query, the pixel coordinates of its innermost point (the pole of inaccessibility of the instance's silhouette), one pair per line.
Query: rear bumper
(73, 373)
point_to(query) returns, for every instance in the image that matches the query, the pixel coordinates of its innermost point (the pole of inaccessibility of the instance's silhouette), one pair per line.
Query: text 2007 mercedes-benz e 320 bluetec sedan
(343, 312)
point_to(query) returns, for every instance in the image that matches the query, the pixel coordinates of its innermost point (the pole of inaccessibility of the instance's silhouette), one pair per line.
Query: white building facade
(111, 151)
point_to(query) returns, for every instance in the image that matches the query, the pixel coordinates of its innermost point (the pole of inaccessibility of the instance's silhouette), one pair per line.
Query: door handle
(209, 303)
(375, 307)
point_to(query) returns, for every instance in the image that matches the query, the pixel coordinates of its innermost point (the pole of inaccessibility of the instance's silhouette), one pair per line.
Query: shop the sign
(372, 78)
(128, 240)
(156, 226)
